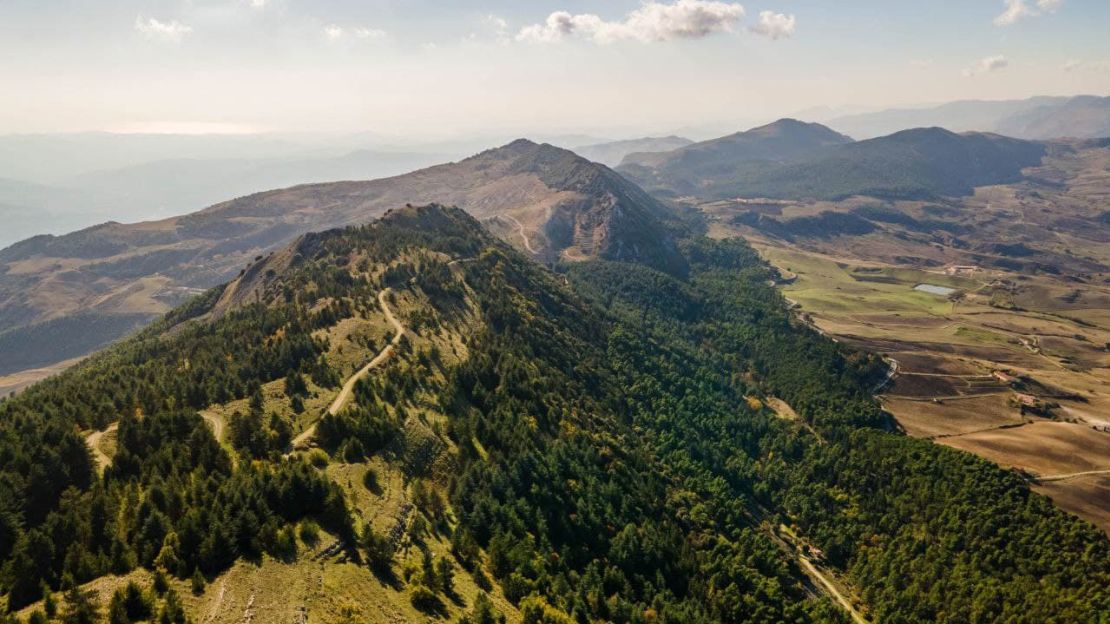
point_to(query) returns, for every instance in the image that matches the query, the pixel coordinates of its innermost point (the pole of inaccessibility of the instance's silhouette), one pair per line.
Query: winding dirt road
(831, 588)
(523, 236)
(348, 388)
(215, 422)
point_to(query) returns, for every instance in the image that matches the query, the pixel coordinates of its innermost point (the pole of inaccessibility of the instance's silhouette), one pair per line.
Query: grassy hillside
(593, 446)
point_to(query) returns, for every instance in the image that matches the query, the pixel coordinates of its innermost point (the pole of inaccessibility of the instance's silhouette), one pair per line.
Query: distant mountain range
(613, 153)
(1084, 116)
(163, 188)
(789, 159)
(546, 200)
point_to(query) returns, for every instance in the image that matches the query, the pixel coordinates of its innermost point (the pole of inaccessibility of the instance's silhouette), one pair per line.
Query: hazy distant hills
(176, 186)
(546, 200)
(1079, 117)
(1043, 117)
(793, 160)
(912, 164)
(691, 169)
(613, 153)
(166, 187)
(27, 209)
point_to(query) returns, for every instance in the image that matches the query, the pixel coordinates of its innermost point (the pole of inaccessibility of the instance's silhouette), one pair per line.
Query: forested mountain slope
(687, 169)
(920, 163)
(597, 443)
(96, 285)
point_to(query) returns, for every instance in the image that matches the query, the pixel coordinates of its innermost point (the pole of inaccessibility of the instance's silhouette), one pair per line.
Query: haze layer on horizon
(420, 69)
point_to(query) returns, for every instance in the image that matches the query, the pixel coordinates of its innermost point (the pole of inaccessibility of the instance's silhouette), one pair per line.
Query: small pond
(943, 291)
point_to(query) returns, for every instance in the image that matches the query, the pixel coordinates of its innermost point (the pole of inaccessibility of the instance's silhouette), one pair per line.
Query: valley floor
(1024, 387)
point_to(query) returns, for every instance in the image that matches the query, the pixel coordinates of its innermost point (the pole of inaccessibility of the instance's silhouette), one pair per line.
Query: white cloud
(986, 64)
(171, 31)
(653, 21)
(369, 34)
(774, 25)
(497, 26)
(333, 32)
(1072, 64)
(257, 4)
(1017, 10)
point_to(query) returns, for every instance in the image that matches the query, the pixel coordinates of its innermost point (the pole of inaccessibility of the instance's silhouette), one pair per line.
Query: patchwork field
(1012, 365)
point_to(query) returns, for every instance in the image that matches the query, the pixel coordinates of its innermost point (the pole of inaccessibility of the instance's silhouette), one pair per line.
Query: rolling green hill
(589, 446)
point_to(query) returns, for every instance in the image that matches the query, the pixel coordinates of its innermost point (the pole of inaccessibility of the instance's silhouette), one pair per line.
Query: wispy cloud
(652, 22)
(1017, 10)
(170, 32)
(335, 32)
(1080, 65)
(774, 25)
(500, 28)
(986, 65)
(368, 34)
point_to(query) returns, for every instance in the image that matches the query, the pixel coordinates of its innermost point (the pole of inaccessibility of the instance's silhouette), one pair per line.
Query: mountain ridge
(913, 163)
(608, 425)
(539, 197)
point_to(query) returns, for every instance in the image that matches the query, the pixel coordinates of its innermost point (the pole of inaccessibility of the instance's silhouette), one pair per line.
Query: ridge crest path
(348, 387)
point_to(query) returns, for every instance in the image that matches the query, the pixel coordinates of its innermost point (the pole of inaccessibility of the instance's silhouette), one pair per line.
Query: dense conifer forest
(614, 457)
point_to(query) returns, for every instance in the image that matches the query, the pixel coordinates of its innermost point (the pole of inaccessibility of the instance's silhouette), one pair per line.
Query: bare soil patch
(918, 362)
(928, 419)
(1043, 448)
(912, 385)
(1087, 497)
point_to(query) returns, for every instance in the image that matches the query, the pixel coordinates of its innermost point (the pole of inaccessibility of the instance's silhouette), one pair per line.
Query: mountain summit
(683, 169)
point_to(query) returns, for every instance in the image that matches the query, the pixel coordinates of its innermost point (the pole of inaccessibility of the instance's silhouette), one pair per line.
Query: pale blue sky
(437, 69)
